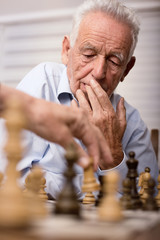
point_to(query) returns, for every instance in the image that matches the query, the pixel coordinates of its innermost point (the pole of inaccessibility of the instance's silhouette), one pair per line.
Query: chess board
(22, 216)
(135, 225)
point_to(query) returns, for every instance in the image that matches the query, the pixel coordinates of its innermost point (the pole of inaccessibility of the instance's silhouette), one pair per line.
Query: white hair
(112, 8)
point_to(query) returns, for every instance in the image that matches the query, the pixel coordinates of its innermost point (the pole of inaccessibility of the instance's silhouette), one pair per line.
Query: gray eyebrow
(88, 46)
(119, 56)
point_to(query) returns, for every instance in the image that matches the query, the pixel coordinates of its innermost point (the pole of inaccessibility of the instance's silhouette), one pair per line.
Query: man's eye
(114, 63)
(88, 55)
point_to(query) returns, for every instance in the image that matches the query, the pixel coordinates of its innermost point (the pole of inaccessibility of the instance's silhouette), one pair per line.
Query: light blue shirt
(49, 81)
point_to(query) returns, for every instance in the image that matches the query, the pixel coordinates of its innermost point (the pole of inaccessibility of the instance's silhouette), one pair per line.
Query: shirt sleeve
(121, 169)
(35, 83)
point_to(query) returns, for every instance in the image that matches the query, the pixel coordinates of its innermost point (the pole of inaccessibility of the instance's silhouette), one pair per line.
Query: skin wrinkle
(96, 49)
(120, 45)
(59, 123)
(100, 53)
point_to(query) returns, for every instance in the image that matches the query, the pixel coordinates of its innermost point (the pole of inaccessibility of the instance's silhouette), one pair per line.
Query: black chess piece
(100, 195)
(150, 203)
(126, 200)
(67, 202)
(132, 175)
(147, 169)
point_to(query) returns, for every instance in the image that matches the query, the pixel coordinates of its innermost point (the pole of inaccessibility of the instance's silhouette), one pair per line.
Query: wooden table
(136, 225)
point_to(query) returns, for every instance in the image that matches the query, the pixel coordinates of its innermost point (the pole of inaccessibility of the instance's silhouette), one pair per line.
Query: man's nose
(99, 70)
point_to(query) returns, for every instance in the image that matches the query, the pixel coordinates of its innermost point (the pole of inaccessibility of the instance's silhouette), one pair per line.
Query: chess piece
(110, 209)
(145, 186)
(89, 184)
(150, 203)
(32, 191)
(158, 195)
(42, 192)
(67, 202)
(141, 181)
(35, 181)
(132, 175)
(126, 200)
(13, 205)
(100, 195)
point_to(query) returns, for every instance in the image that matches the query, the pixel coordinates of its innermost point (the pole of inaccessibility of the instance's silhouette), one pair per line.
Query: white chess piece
(110, 209)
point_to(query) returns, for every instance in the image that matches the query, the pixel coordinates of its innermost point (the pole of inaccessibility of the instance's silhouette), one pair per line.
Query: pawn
(13, 206)
(141, 181)
(42, 192)
(150, 203)
(110, 209)
(132, 175)
(126, 200)
(89, 184)
(67, 202)
(158, 195)
(36, 182)
(32, 192)
(100, 195)
(145, 186)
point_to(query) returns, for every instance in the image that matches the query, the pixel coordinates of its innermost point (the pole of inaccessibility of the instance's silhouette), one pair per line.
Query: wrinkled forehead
(104, 28)
(103, 21)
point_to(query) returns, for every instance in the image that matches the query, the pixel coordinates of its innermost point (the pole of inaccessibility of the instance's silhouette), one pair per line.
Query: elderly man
(58, 124)
(96, 57)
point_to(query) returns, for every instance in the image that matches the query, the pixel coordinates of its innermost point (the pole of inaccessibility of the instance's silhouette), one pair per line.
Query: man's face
(101, 52)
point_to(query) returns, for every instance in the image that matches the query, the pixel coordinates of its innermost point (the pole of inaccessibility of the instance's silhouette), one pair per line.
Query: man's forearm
(27, 101)
(58, 123)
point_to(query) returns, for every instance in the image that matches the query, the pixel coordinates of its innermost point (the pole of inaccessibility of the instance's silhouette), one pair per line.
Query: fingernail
(92, 81)
(83, 162)
(122, 101)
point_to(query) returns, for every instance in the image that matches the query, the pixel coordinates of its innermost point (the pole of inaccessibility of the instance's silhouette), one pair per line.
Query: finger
(121, 114)
(96, 107)
(99, 150)
(74, 104)
(83, 102)
(101, 95)
(83, 158)
(106, 160)
(91, 139)
(81, 128)
(106, 156)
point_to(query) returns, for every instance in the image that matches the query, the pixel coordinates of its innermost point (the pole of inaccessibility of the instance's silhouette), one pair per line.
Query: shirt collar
(64, 93)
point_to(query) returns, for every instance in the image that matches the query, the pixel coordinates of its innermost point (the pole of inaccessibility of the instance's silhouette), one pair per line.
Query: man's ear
(65, 50)
(129, 66)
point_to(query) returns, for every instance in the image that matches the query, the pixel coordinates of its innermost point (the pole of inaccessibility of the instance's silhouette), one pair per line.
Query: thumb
(74, 104)
(83, 159)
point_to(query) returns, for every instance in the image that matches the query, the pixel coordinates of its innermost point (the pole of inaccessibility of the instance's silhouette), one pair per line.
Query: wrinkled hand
(60, 124)
(101, 113)
(91, 136)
